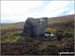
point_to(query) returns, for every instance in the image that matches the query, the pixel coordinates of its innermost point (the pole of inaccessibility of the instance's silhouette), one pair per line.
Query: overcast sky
(17, 11)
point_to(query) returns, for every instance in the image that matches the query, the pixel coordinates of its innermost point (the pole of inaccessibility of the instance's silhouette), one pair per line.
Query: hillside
(63, 17)
(11, 38)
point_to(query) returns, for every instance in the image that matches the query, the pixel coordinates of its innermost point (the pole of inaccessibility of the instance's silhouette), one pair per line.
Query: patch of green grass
(11, 37)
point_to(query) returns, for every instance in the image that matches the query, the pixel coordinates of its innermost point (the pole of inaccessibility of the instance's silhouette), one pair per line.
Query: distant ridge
(67, 17)
(62, 17)
(62, 20)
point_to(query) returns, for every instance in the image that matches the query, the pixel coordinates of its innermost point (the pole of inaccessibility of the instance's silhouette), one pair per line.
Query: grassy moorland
(12, 42)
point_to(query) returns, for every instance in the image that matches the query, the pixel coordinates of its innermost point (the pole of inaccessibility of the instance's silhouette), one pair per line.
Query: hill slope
(11, 38)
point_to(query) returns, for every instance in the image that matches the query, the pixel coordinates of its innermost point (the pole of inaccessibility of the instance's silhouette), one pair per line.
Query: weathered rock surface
(34, 27)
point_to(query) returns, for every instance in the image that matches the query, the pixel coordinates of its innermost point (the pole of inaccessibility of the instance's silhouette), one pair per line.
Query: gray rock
(34, 27)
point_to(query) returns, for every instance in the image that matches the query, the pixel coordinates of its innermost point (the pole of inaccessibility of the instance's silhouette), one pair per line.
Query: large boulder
(34, 27)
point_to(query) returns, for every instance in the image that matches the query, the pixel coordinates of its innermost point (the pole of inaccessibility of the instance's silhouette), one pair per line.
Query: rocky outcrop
(34, 27)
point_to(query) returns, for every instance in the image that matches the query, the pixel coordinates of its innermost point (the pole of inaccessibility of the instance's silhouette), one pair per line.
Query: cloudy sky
(17, 11)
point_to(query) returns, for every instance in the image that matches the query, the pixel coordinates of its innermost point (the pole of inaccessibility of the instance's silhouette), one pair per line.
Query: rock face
(34, 27)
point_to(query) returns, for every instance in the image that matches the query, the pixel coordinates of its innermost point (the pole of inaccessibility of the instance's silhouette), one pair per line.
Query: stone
(34, 27)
